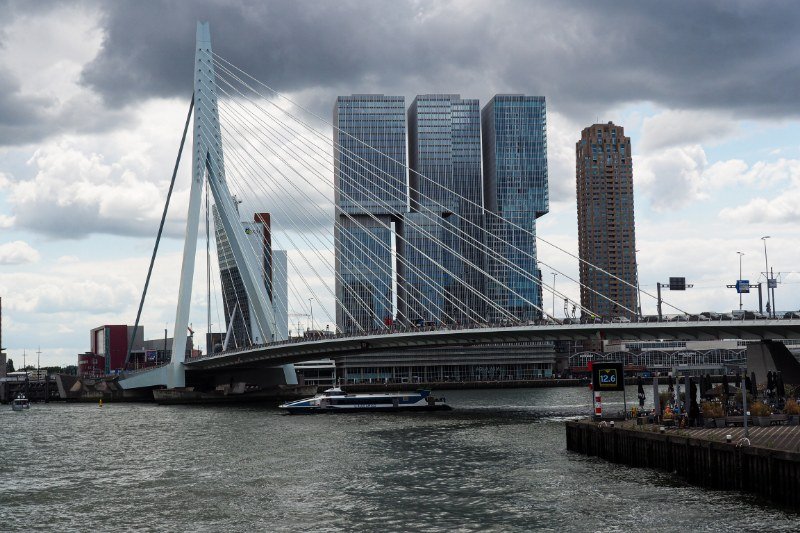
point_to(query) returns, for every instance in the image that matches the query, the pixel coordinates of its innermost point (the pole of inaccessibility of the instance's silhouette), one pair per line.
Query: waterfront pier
(766, 463)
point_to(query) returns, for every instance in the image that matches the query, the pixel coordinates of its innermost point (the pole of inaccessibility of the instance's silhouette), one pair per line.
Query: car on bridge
(649, 318)
(699, 318)
(792, 314)
(679, 318)
(748, 315)
(620, 320)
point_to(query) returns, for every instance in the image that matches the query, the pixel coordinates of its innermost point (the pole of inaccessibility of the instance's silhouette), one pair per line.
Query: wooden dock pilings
(772, 474)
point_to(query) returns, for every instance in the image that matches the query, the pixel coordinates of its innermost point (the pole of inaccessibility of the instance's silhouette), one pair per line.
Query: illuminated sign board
(608, 376)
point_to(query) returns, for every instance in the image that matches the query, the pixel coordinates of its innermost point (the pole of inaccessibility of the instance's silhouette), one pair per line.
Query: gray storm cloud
(588, 55)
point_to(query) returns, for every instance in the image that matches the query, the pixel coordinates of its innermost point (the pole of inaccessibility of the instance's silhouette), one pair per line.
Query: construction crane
(298, 315)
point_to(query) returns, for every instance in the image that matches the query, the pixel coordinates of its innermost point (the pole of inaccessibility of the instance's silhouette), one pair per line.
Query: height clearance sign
(607, 376)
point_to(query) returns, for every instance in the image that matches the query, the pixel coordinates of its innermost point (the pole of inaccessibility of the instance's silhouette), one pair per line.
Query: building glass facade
(446, 216)
(515, 194)
(246, 328)
(606, 232)
(371, 193)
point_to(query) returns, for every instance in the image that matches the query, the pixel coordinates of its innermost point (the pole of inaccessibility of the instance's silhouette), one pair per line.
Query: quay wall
(771, 474)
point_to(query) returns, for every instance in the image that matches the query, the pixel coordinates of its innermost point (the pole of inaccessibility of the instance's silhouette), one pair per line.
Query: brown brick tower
(606, 234)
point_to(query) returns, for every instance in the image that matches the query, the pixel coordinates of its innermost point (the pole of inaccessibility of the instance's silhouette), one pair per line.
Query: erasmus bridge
(249, 141)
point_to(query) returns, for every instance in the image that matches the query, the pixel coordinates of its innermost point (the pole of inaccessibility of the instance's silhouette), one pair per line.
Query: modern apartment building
(371, 196)
(606, 232)
(515, 194)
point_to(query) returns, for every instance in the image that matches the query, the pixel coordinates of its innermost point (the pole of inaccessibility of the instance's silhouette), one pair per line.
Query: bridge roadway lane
(293, 352)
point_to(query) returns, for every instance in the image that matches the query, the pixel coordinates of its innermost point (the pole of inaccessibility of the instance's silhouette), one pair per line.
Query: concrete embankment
(768, 467)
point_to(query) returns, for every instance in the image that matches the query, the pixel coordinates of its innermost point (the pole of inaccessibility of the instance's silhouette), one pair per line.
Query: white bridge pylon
(208, 163)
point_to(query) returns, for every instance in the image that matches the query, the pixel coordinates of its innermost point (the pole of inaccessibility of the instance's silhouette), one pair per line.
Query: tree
(10, 365)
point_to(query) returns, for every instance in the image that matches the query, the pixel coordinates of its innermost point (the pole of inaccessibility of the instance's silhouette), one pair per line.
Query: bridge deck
(294, 351)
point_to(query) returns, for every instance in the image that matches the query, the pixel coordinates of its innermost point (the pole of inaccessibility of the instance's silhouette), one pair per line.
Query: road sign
(677, 284)
(772, 283)
(743, 286)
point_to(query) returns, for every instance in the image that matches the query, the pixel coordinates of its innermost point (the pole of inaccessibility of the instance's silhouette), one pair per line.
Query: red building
(91, 365)
(111, 342)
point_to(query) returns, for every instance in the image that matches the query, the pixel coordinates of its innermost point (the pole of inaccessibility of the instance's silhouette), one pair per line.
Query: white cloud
(677, 127)
(673, 177)
(562, 134)
(6, 221)
(74, 193)
(781, 177)
(17, 253)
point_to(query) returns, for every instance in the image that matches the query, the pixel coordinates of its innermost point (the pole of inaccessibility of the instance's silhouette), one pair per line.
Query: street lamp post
(311, 306)
(740, 277)
(766, 273)
(638, 289)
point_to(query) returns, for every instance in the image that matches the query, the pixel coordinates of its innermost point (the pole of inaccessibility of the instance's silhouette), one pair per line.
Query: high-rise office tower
(443, 232)
(280, 293)
(606, 235)
(247, 328)
(515, 195)
(371, 196)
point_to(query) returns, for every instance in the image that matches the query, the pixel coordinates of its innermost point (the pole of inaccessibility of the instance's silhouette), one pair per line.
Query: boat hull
(313, 410)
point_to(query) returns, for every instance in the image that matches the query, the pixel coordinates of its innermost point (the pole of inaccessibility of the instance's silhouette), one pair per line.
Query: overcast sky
(93, 96)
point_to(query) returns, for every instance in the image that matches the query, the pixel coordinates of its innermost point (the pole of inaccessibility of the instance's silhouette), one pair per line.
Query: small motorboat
(20, 403)
(335, 400)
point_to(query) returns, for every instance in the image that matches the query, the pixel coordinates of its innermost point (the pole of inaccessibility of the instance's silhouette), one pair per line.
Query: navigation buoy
(100, 403)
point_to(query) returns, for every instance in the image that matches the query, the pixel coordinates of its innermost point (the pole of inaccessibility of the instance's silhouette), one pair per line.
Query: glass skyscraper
(443, 231)
(246, 329)
(515, 195)
(371, 193)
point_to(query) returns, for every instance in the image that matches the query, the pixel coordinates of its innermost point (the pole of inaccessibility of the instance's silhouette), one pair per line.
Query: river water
(496, 463)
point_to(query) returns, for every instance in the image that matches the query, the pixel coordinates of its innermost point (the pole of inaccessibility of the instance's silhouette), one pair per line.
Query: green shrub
(712, 410)
(791, 407)
(760, 409)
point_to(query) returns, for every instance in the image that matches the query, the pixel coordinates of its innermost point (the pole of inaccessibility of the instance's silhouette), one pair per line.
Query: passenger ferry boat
(20, 402)
(335, 400)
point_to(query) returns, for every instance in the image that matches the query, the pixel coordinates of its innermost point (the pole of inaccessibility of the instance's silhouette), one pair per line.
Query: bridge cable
(446, 227)
(158, 235)
(233, 153)
(294, 184)
(289, 260)
(218, 59)
(401, 257)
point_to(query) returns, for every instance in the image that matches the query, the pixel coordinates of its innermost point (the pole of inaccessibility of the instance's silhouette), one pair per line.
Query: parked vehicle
(679, 318)
(752, 315)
